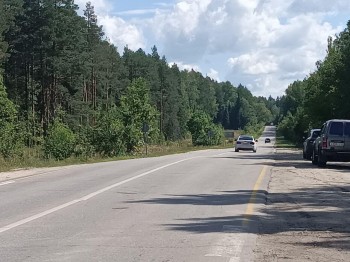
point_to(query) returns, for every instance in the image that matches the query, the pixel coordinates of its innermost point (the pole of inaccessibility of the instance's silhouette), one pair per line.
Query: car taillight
(252, 143)
(324, 142)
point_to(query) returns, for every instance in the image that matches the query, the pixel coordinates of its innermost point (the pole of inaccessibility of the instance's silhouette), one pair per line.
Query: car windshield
(336, 129)
(245, 138)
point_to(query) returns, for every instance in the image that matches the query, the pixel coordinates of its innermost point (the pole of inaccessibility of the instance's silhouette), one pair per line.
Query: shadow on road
(221, 199)
(331, 215)
(288, 160)
(316, 208)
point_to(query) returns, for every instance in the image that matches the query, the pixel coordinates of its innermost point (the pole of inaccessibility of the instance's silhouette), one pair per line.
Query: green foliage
(293, 127)
(60, 142)
(203, 131)
(108, 134)
(8, 112)
(84, 144)
(254, 130)
(11, 140)
(8, 10)
(136, 110)
(264, 115)
(321, 96)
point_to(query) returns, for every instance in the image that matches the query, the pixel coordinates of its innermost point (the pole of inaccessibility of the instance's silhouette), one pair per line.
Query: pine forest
(66, 91)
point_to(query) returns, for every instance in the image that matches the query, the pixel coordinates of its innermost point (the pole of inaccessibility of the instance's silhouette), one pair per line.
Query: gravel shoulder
(307, 211)
(21, 173)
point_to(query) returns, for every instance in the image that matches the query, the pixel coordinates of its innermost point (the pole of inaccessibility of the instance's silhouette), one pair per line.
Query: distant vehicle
(246, 142)
(333, 144)
(309, 143)
(267, 140)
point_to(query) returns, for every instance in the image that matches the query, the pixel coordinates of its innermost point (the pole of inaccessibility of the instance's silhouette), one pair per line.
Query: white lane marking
(87, 197)
(232, 244)
(7, 183)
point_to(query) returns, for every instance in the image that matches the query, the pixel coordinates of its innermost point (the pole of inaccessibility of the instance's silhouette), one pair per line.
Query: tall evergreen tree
(9, 9)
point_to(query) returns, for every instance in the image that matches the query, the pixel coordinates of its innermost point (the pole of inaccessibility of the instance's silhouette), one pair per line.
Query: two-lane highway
(186, 207)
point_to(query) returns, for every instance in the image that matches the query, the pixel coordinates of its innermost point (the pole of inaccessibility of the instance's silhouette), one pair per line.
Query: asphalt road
(185, 207)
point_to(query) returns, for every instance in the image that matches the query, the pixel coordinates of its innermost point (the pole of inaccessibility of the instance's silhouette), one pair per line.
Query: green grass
(281, 142)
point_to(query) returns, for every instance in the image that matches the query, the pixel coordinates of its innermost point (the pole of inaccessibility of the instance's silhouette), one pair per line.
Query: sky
(264, 45)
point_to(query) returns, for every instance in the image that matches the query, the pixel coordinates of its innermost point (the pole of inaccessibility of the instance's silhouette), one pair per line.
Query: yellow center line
(250, 207)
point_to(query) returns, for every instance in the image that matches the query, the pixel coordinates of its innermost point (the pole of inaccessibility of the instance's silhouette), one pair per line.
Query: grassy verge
(281, 142)
(33, 159)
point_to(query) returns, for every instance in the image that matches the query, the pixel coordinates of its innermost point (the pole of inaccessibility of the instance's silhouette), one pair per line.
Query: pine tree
(8, 11)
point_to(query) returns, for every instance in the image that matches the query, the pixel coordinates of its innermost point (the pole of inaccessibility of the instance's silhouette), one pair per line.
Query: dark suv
(333, 144)
(308, 144)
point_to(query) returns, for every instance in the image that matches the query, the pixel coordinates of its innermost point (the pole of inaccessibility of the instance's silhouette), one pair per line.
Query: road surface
(186, 207)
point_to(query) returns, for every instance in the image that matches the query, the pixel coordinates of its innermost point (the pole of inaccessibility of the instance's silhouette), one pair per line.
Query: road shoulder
(307, 214)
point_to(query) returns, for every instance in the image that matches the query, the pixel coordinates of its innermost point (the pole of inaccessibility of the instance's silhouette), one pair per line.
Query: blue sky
(131, 5)
(263, 44)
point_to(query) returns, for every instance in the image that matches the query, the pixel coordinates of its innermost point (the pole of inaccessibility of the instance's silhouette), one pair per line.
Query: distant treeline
(323, 95)
(69, 90)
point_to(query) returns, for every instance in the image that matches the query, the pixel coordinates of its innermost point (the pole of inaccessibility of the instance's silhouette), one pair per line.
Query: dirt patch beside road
(307, 216)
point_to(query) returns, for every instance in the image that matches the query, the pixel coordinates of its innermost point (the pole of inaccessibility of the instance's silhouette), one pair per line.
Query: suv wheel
(322, 161)
(309, 156)
(314, 158)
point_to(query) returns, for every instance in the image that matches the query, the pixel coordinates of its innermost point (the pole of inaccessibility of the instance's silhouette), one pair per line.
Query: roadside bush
(136, 110)
(60, 142)
(84, 147)
(293, 127)
(108, 134)
(203, 131)
(11, 140)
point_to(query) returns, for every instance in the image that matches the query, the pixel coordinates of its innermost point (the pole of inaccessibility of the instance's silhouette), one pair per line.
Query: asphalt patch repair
(307, 211)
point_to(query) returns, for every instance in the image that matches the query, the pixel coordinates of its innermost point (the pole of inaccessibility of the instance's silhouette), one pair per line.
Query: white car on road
(246, 142)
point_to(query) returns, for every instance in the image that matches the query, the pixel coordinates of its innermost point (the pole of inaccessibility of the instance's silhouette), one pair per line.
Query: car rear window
(336, 129)
(316, 134)
(245, 138)
(347, 129)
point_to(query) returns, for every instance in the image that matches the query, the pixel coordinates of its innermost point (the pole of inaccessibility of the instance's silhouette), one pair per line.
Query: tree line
(66, 89)
(323, 95)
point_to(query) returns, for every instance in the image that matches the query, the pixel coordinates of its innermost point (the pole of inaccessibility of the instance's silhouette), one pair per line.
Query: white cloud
(138, 12)
(187, 67)
(119, 32)
(282, 55)
(213, 74)
(255, 63)
(122, 33)
(263, 44)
